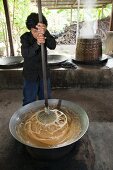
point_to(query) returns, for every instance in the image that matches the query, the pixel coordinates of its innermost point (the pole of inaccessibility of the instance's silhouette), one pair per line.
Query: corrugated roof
(66, 4)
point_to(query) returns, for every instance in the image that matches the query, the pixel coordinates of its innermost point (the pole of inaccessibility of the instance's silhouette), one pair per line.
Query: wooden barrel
(89, 49)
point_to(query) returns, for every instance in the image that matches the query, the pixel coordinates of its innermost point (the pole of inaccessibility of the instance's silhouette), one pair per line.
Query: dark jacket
(31, 52)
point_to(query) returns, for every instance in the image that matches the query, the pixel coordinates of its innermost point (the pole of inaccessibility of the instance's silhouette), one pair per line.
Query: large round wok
(56, 60)
(46, 152)
(11, 62)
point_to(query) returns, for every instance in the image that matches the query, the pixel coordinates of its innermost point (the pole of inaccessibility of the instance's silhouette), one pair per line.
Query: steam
(88, 3)
(89, 27)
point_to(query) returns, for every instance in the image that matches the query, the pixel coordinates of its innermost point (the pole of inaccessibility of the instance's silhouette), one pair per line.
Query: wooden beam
(111, 20)
(71, 2)
(64, 4)
(69, 7)
(6, 9)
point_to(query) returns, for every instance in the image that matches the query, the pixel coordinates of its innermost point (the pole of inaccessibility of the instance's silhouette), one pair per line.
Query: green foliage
(18, 11)
(60, 10)
(1, 6)
(46, 11)
(22, 10)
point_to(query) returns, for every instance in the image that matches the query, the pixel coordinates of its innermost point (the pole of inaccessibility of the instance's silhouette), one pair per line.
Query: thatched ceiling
(65, 4)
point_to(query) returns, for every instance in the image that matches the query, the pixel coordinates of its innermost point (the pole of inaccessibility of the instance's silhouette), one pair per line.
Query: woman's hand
(41, 28)
(40, 38)
(38, 33)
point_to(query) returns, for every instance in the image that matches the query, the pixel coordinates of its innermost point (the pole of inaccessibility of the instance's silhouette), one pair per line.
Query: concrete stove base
(81, 76)
(16, 157)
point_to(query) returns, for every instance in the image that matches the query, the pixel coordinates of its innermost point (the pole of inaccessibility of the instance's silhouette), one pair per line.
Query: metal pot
(46, 152)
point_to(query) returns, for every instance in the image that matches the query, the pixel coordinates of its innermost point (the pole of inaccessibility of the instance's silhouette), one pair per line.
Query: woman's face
(34, 32)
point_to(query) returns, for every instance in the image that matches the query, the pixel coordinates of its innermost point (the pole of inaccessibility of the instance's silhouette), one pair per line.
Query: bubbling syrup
(65, 128)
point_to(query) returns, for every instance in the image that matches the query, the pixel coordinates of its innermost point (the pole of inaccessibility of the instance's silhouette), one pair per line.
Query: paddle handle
(43, 58)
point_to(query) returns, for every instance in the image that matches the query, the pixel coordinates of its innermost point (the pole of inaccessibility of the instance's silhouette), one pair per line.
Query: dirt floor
(98, 103)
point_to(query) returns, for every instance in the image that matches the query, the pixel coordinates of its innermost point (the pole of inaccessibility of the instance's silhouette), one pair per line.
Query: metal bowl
(11, 62)
(47, 152)
(56, 59)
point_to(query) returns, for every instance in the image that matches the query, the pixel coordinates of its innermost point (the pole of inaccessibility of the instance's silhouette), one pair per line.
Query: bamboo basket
(88, 49)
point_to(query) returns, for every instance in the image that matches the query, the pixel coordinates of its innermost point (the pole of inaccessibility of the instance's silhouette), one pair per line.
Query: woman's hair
(33, 19)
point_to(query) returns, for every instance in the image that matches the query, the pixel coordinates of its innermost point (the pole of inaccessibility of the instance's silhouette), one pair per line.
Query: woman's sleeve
(27, 49)
(50, 40)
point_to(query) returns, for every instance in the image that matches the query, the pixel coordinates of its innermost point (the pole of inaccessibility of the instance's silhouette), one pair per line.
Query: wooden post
(111, 20)
(6, 9)
(71, 14)
(102, 11)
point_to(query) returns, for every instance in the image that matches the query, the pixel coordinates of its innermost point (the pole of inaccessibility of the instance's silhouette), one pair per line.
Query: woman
(31, 52)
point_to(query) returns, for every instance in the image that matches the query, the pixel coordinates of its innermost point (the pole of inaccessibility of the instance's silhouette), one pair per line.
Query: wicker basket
(89, 49)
